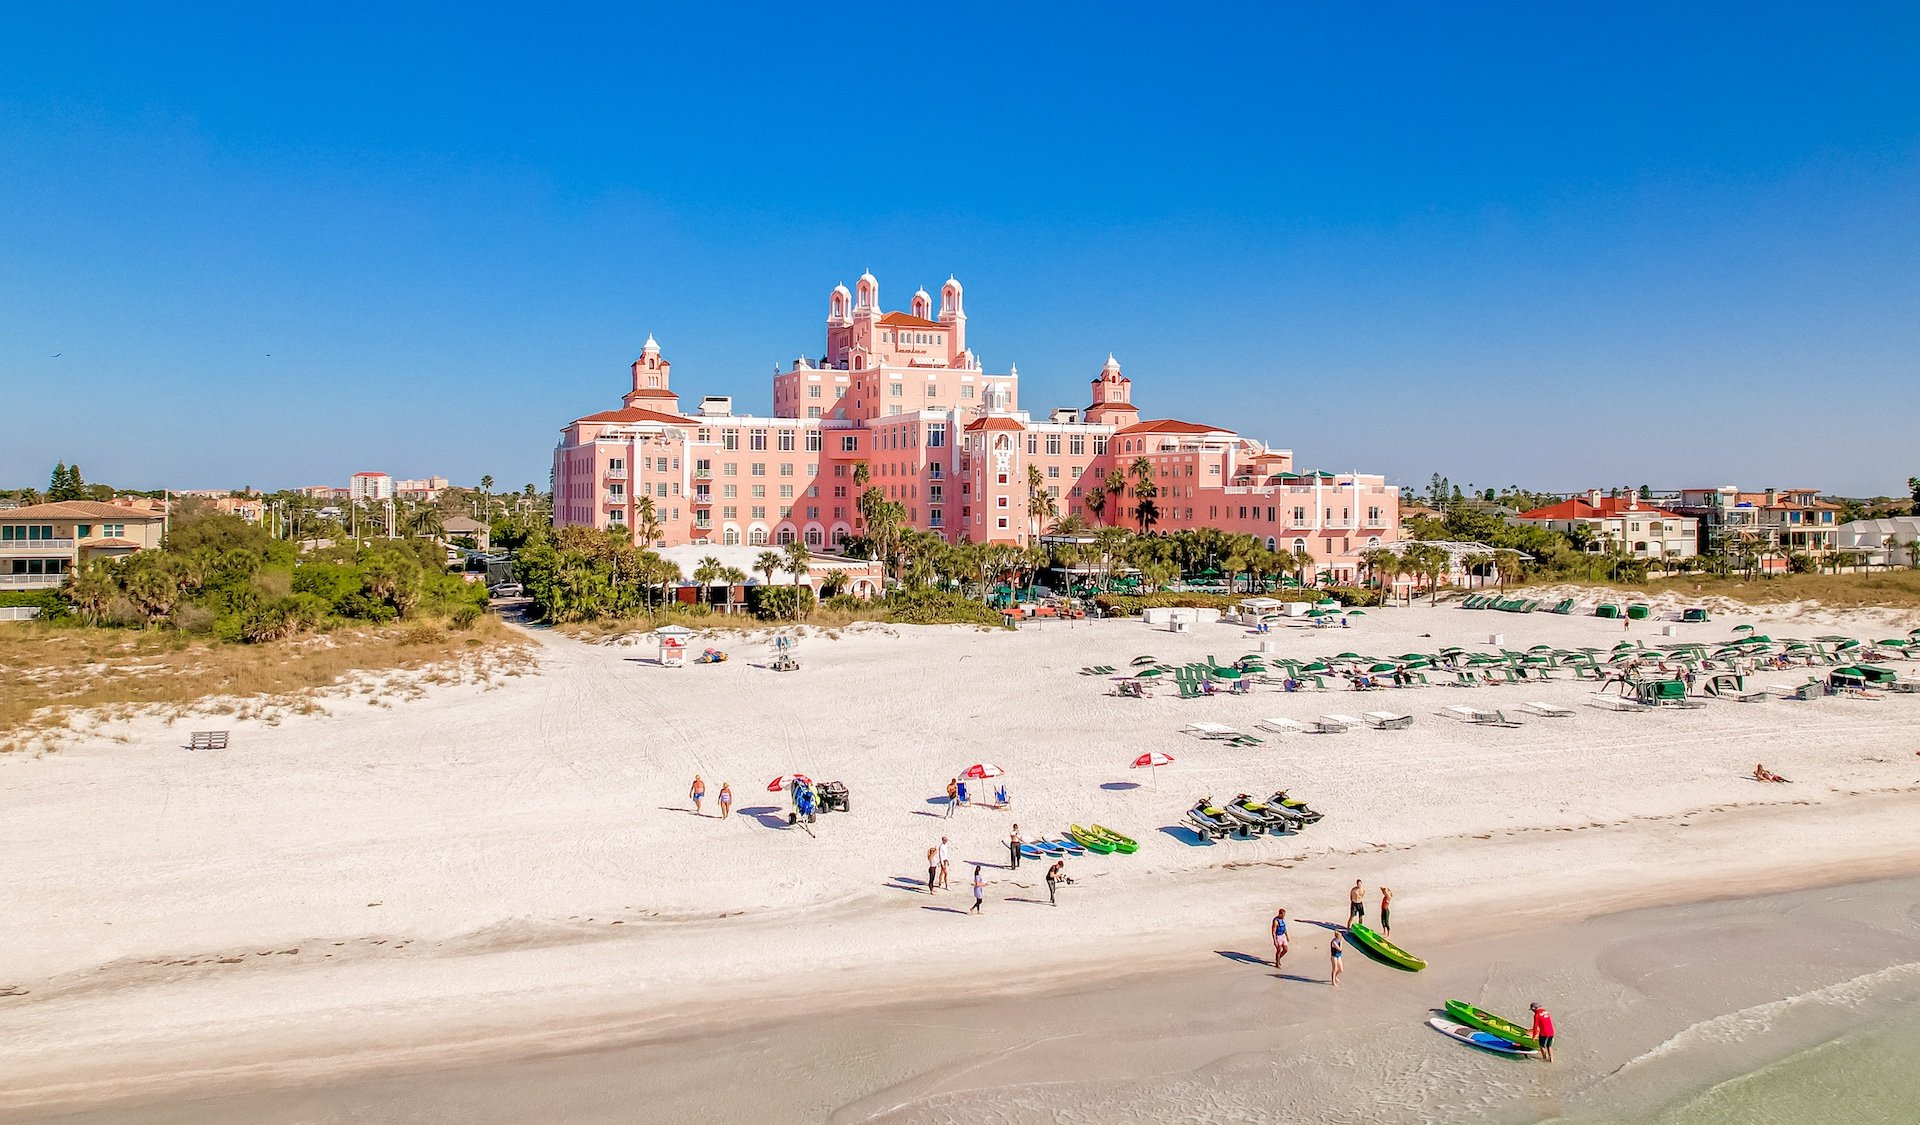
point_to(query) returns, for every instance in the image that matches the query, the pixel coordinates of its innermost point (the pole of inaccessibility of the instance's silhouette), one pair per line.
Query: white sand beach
(481, 876)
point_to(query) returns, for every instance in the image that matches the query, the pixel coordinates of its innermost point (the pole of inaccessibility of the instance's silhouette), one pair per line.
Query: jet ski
(1210, 820)
(1275, 819)
(1296, 809)
(1251, 823)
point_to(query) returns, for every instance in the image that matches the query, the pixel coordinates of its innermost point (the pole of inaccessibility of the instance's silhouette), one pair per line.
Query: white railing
(36, 546)
(31, 581)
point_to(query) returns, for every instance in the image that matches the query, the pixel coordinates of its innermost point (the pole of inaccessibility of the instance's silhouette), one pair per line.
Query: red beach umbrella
(1152, 761)
(779, 783)
(980, 771)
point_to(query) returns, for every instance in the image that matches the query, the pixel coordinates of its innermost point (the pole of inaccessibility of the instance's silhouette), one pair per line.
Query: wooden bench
(208, 740)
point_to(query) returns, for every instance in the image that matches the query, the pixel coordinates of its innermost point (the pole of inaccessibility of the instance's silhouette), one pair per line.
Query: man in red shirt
(1543, 1030)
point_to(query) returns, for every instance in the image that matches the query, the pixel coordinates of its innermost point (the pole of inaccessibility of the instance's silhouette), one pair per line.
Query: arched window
(730, 537)
(1300, 545)
(1372, 541)
(785, 537)
(757, 537)
(840, 536)
(814, 537)
(1270, 543)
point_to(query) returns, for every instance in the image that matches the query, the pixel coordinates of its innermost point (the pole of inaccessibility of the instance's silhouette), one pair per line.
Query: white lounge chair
(1335, 724)
(1209, 730)
(1607, 702)
(1464, 713)
(1280, 726)
(1547, 710)
(1387, 720)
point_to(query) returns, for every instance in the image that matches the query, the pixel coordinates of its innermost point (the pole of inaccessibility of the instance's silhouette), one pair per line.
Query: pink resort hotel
(943, 436)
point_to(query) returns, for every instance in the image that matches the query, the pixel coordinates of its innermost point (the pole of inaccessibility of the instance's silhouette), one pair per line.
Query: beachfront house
(1770, 525)
(42, 543)
(1617, 525)
(901, 399)
(1883, 542)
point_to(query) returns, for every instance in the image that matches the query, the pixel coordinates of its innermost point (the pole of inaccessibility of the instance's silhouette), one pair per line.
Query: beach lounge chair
(1280, 726)
(1607, 702)
(1335, 724)
(1098, 670)
(1462, 712)
(1387, 720)
(1547, 710)
(208, 740)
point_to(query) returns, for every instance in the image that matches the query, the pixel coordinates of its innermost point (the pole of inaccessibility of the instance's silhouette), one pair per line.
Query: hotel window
(760, 512)
(786, 468)
(935, 493)
(933, 517)
(1053, 490)
(839, 491)
(786, 441)
(729, 468)
(1033, 444)
(703, 468)
(1099, 445)
(1053, 472)
(812, 439)
(82, 530)
(111, 530)
(616, 465)
(966, 391)
(757, 440)
(704, 435)
(759, 468)
(660, 464)
(893, 409)
(1001, 523)
(786, 492)
(729, 439)
(813, 390)
(1213, 470)
(1299, 515)
(31, 531)
(1000, 478)
(897, 390)
(760, 491)
(849, 443)
(729, 491)
(1000, 502)
(933, 470)
(729, 512)
(1053, 445)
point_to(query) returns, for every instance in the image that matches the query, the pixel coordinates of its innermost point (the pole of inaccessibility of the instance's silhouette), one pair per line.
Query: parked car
(507, 590)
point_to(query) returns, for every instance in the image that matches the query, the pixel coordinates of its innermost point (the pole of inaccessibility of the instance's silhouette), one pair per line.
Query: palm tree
(1145, 512)
(797, 560)
(647, 521)
(705, 575)
(1506, 565)
(767, 564)
(1095, 502)
(1116, 488)
(1040, 504)
(732, 576)
(486, 497)
(1477, 563)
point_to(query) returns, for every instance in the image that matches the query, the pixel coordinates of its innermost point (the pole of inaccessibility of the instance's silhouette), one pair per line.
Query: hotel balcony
(703, 474)
(616, 474)
(36, 548)
(31, 581)
(618, 499)
(702, 497)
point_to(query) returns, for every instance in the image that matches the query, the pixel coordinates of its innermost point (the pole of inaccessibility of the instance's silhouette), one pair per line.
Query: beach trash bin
(1669, 631)
(1269, 647)
(1497, 639)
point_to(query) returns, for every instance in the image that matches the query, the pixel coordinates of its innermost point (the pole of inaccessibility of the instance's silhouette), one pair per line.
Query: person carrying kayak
(1543, 1030)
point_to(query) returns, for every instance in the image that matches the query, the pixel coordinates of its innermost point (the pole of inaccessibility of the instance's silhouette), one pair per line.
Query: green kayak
(1386, 949)
(1126, 845)
(1488, 1022)
(1092, 841)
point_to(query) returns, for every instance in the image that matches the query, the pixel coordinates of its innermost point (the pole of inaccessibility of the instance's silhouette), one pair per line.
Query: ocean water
(1866, 1077)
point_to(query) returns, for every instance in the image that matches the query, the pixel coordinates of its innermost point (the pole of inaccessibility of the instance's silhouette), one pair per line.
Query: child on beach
(726, 799)
(698, 793)
(1279, 936)
(1334, 950)
(979, 890)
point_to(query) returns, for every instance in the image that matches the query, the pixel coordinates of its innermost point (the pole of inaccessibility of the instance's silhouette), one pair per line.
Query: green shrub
(938, 607)
(1130, 605)
(464, 616)
(1350, 595)
(778, 603)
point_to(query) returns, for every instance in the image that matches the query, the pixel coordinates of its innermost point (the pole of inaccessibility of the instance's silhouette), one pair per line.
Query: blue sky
(1526, 243)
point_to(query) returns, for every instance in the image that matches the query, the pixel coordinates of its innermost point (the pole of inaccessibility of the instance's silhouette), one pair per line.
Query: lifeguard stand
(783, 659)
(673, 646)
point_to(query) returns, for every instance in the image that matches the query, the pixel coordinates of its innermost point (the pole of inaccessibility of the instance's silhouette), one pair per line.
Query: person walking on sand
(979, 890)
(941, 852)
(1013, 847)
(1386, 911)
(1054, 875)
(1279, 935)
(1543, 1030)
(698, 793)
(726, 800)
(1334, 950)
(933, 867)
(1356, 903)
(953, 794)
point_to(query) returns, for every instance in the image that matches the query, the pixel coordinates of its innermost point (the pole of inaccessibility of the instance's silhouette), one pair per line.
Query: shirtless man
(1356, 903)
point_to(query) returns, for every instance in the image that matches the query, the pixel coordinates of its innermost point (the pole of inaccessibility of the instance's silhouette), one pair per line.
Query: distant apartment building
(41, 544)
(370, 486)
(1777, 520)
(323, 492)
(427, 490)
(1626, 524)
(902, 394)
(253, 511)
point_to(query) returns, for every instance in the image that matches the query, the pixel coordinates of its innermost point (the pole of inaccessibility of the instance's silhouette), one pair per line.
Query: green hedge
(1131, 604)
(776, 603)
(938, 607)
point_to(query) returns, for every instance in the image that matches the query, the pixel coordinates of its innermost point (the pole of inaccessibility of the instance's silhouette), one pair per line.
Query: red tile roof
(994, 422)
(78, 510)
(1172, 426)
(652, 392)
(633, 414)
(88, 544)
(908, 320)
(1578, 508)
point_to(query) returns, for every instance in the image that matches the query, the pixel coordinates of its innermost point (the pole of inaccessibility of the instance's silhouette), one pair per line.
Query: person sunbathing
(1762, 773)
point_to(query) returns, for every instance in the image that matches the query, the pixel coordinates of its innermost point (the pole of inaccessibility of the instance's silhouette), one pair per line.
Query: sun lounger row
(1336, 723)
